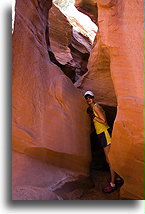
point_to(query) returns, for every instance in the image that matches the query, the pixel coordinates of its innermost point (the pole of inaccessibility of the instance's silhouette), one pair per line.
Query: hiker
(103, 132)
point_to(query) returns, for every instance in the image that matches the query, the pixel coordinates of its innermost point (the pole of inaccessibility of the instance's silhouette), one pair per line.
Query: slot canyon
(55, 60)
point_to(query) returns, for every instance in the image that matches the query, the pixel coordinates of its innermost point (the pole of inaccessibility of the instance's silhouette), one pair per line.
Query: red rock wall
(89, 8)
(98, 79)
(60, 39)
(71, 49)
(121, 37)
(49, 113)
(127, 71)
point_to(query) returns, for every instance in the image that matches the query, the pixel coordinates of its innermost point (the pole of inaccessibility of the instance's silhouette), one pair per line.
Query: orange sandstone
(49, 119)
(116, 74)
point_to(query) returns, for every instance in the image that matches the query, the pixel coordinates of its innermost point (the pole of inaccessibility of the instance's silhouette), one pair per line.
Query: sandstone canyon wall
(115, 74)
(49, 119)
(89, 8)
(70, 48)
(50, 144)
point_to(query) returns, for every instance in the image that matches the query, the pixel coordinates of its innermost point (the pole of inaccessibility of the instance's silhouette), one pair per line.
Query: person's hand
(90, 112)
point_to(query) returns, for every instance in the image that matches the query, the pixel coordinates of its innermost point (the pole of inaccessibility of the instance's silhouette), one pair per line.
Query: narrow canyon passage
(34, 129)
(91, 188)
(55, 152)
(70, 50)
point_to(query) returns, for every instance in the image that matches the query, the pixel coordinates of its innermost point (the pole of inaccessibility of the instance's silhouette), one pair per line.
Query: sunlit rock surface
(49, 114)
(118, 55)
(13, 13)
(89, 8)
(60, 39)
(71, 49)
(98, 78)
(80, 22)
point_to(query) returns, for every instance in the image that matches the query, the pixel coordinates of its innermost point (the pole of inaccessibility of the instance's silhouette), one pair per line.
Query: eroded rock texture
(49, 119)
(116, 71)
(89, 8)
(50, 126)
(98, 78)
(71, 49)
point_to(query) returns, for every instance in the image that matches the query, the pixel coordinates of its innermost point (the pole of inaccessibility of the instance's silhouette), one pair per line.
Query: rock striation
(51, 131)
(47, 110)
(89, 8)
(115, 74)
(81, 23)
(69, 49)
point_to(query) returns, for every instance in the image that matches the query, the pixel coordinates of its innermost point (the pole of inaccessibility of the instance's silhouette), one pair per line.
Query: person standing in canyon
(103, 132)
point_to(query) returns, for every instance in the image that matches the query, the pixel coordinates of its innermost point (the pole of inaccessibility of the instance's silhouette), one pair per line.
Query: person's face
(89, 100)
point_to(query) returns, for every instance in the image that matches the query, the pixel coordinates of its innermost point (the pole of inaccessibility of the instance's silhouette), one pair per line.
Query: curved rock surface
(60, 39)
(69, 49)
(89, 8)
(116, 68)
(98, 78)
(80, 21)
(48, 111)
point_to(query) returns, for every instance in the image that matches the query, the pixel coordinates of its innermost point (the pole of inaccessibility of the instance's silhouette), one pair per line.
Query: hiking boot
(109, 189)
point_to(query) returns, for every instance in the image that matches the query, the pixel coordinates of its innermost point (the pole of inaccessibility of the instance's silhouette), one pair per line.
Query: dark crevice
(47, 37)
(67, 69)
(98, 156)
(81, 68)
(79, 46)
(72, 72)
(110, 112)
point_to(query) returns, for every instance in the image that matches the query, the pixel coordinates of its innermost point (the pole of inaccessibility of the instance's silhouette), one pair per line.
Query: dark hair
(88, 95)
